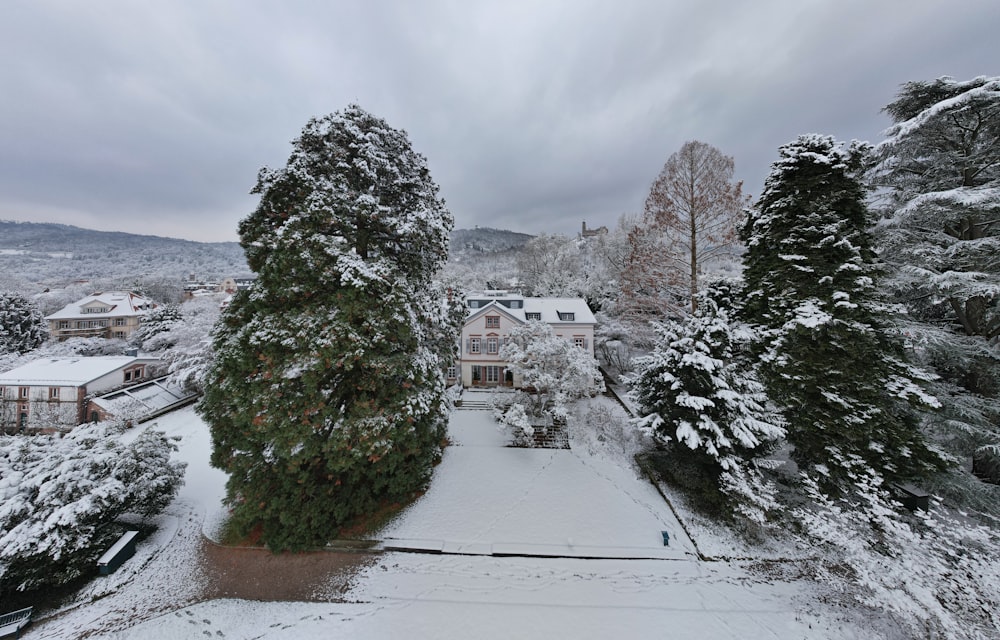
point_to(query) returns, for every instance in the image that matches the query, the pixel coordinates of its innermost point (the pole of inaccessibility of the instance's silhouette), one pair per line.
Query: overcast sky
(155, 116)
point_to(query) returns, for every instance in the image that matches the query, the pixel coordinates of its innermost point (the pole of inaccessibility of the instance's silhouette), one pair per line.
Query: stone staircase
(474, 404)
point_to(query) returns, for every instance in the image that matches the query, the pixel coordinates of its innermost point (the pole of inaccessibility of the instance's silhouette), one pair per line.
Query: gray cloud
(155, 117)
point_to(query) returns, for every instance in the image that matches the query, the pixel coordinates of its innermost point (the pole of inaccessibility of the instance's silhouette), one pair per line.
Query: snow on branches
(60, 497)
(699, 396)
(22, 327)
(554, 370)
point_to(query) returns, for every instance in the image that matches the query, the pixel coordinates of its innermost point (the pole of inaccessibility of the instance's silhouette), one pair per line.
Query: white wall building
(114, 314)
(52, 393)
(492, 315)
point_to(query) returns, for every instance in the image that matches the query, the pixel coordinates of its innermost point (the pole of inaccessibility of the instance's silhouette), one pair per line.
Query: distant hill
(57, 253)
(487, 240)
(47, 252)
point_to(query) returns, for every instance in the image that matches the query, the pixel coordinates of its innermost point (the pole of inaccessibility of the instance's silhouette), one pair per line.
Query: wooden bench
(14, 621)
(117, 554)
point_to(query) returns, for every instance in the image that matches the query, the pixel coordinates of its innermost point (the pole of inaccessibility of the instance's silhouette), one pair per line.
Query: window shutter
(586, 343)
(468, 345)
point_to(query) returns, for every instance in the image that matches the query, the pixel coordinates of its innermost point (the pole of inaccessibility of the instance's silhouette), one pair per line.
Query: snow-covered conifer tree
(939, 173)
(22, 327)
(327, 395)
(812, 285)
(698, 395)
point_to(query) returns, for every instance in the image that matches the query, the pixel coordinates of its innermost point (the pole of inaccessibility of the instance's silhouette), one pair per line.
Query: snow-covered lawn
(490, 499)
(484, 498)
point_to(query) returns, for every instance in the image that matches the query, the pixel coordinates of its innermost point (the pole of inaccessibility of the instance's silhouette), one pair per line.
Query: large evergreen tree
(812, 287)
(22, 327)
(326, 398)
(939, 173)
(699, 396)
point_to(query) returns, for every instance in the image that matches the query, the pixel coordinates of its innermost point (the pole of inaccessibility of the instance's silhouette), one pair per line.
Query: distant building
(195, 287)
(233, 284)
(590, 233)
(115, 314)
(492, 316)
(53, 393)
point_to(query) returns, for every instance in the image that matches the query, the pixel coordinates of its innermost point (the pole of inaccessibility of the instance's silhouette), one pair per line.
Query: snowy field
(517, 503)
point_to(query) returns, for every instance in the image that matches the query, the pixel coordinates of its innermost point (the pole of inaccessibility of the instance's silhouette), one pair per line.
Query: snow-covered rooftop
(75, 371)
(151, 397)
(549, 310)
(107, 304)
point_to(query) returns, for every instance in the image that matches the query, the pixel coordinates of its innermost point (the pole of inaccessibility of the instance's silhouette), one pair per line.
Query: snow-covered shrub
(603, 429)
(553, 368)
(22, 327)
(934, 572)
(703, 402)
(614, 346)
(60, 497)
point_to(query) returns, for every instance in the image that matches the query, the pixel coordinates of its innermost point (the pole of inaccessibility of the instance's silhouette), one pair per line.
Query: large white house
(114, 314)
(52, 393)
(492, 316)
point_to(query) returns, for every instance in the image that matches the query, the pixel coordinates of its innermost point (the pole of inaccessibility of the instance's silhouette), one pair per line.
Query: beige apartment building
(115, 314)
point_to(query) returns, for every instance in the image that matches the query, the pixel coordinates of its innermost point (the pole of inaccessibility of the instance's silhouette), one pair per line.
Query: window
(492, 344)
(119, 322)
(533, 315)
(580, 342)
(492, 322)
(23, 392)
(563, 315)
(64, 324)
(119, 334)
(53, 393)
(128, 376)
(452, 373)
(492, 373)
(475, 345)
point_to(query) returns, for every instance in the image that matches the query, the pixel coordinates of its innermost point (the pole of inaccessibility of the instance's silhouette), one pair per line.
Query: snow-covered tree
(22, 327)
(185, 344)
(939, 174)
(827, 357)
(554, 370)
(327, 395)
(699, 396)
(155, 332)
(60, 497)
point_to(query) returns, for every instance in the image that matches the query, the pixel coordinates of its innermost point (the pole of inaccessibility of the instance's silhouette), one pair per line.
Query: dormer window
(533, 315)
(567, 316)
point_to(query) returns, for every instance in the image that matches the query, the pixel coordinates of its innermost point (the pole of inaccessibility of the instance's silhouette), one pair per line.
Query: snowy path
(461, 597)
